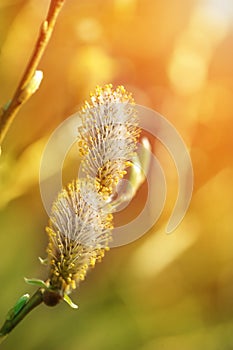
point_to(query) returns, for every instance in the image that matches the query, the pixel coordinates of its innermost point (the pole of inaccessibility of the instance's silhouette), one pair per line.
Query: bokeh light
(161, 292)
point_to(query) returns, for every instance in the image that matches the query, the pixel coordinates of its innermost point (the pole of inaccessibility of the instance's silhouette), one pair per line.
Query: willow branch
(31, 78)
(11, 322)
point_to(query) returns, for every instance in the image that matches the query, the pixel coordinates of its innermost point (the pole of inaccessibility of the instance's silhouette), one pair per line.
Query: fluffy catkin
(108, 136)
(79, 231)
(81, 220)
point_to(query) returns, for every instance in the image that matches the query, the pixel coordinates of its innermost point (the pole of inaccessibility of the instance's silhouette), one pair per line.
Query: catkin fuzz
(108, 136)
(80, 224)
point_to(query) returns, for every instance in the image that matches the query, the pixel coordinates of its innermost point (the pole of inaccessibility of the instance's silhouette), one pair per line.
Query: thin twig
(11, 322)
(30, 81)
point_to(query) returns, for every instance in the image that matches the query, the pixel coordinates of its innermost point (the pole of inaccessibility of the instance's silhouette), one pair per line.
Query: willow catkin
(108, 136)
(79, 231)
(81, 220)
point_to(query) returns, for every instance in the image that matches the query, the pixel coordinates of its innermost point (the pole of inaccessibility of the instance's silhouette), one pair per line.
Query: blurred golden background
(163, 291)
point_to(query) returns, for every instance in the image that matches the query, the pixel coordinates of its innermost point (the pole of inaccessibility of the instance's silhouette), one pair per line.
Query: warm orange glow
(188, 71)
(161, 292)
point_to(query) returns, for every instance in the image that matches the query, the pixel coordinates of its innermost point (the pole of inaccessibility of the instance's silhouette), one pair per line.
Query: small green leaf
(18, 306)
(43, 261)
(36, 282)
(67, 299)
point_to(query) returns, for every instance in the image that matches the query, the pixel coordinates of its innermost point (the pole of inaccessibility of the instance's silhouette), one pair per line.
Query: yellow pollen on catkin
(81, 222)
(108, 136)
(77, 230)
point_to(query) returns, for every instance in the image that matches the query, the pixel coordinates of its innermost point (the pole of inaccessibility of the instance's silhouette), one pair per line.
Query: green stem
(35, 300)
